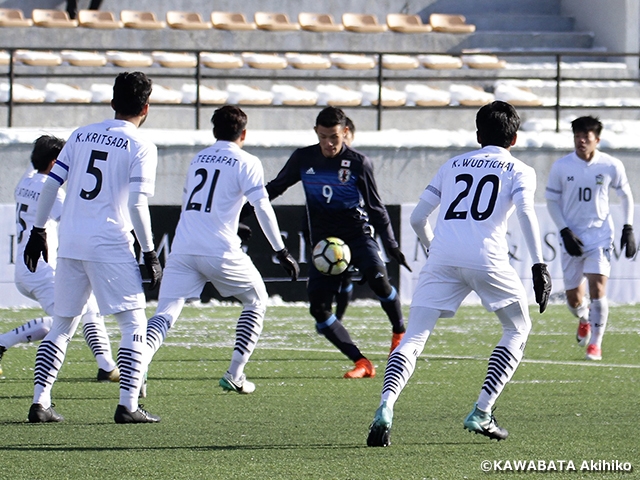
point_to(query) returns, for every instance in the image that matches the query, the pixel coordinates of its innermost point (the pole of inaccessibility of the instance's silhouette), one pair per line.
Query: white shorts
(185, 275)
(443, 288)
(596, 261)
(37, 285)
(117, 286)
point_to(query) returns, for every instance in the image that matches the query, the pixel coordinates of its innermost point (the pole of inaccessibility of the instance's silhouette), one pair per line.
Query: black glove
(288, 263)
(398, 256)
(572, 244)
(541, 284)
(628, 240)
(36, 245)
(154, 270)
(244, 232)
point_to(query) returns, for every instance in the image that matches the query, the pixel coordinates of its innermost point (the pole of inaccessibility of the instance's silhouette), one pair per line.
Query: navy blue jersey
(341, 194)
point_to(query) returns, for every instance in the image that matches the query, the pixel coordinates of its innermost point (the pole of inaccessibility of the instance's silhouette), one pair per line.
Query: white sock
(581, 311)
(598, 318)
(133, 325)
(32, 331)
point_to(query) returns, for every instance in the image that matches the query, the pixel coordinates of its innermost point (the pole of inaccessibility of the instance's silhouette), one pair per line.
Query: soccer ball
(331, 256)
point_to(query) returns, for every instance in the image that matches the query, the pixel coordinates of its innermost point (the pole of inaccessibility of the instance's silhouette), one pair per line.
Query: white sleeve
(420, 221)
(530, 227)
(268, 223)
(141, 219)
(626, 200)
(555, 212)
(47, 199)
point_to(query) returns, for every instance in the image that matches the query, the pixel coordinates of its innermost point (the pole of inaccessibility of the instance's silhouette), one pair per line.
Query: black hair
(330, 117)
(45, 149)
(587, 124)
(228, 123)
(350, 125)
(497, 123)
(131, 92)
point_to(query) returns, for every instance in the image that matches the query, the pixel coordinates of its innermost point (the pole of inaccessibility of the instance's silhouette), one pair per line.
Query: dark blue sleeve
(378, 215)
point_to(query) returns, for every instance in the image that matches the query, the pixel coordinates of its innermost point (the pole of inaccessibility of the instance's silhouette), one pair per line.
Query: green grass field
(306, 422)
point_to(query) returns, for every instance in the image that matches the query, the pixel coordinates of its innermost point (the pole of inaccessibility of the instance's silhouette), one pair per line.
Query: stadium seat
(399, 62)
(362, 22)
(174, 60)
(305, 61)
(208, 95)
(4, 57)
(440, 62)
(13, 17)
(63, 93)
(516, 96)
(293, 95)
(101, 93)
(129, 59)
(483, 61)
(231, 21)
(52, 18)
(338, 96)
(404, 23)
(37, 58)
(141, 20)
(319, 22)
(389, 96)
(274, 21)
(187, 21)
(264, 61)
(468, 95)
(98, 19)
(22, 93)
(425, 96)
(245, 95)
(83, 59)
(220, 60)
(349, 61)
(161, 94)
(448, 23)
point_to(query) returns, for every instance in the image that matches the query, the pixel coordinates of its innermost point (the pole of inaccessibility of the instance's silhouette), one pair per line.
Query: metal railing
(382, 76)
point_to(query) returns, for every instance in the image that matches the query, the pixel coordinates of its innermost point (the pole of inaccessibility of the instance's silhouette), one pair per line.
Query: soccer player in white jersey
(109, 170)
(578, 201)
(38, 285)
(477, 192)
(206, 246)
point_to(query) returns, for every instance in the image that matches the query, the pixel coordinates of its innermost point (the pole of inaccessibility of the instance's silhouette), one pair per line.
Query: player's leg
(118, 291)
(598, 314)
(400, 367)
(575, 291)
(32, 331)
(343, 298)
(71, 292)
(367, 259)
(238, 277)
(95, 334)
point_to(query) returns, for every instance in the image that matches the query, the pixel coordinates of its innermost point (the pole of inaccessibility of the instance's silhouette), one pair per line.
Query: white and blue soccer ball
(331, 256)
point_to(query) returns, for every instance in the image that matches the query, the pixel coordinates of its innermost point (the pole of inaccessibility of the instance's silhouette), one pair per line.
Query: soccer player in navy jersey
(342, 201)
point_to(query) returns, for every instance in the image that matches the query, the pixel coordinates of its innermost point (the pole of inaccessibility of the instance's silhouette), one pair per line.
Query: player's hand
(398, 256)
(288, 263)
(244, 232)
(154, 270)
(628, 240)
(541, 284)
(572, 244)
(36, 245)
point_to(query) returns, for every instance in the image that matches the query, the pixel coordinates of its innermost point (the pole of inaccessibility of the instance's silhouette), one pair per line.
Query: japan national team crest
(344, 174)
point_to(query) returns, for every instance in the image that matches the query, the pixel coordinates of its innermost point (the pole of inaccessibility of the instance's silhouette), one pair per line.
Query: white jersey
(582, 190)
(475, 192)
(102, 162)
(219, 179)
(26, 195)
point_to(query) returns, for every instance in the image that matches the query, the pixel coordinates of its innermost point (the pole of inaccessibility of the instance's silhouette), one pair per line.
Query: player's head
(229, 123)
(350, 132)
(330, 128)
(497, 124)
(45, 151)
(586, 136)
(131, 92)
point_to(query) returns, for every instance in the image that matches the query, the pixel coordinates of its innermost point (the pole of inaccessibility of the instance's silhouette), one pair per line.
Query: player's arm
(269, 224)
(141, 219)
(420, 221)
(37, 243)
(627, 239)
